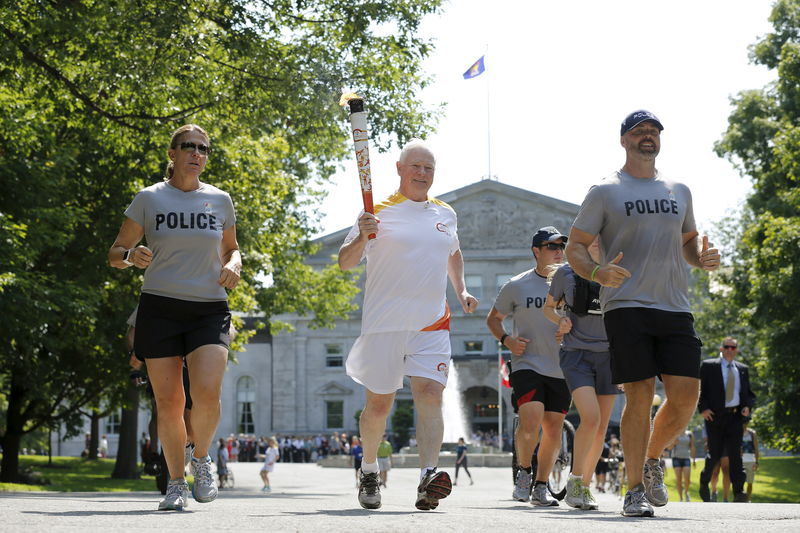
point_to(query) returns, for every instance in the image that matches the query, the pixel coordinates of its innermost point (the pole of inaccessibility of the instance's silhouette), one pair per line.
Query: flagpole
(499, 397)
(488, 120)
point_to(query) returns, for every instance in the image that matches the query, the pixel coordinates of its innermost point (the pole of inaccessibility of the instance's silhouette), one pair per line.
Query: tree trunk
(9, 467)
(128, 450)
(93, 435)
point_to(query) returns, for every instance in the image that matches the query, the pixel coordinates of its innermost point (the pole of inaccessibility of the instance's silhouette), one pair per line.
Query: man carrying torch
(406, 320)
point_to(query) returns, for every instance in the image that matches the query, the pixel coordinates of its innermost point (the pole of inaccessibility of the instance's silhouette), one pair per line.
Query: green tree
(89, 93)
(402, 422)
(763, 142)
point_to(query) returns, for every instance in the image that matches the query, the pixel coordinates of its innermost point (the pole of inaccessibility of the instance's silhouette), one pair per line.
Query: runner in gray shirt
(540, 394)
(586, 363)
(647, 232)
(191, 257)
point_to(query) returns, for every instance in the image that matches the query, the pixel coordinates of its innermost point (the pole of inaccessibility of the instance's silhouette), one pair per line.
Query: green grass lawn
(74, 474)
(776, 481)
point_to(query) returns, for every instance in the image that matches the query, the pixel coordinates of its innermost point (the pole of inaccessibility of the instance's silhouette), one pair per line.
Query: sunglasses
(191, 147)
(553, 246)
(729, 347)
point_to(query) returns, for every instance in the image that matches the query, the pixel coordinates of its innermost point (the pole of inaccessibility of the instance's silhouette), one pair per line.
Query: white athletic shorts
(384, 464)
(380, 360)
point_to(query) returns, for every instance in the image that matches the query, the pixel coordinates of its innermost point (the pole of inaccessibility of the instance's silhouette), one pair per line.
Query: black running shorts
(645, 343)
(169, 327)
(530, 386)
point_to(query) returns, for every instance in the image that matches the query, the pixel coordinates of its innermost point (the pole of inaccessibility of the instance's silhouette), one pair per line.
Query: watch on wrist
(126, 257)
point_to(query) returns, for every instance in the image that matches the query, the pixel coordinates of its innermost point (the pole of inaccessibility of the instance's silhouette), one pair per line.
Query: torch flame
(346, 97)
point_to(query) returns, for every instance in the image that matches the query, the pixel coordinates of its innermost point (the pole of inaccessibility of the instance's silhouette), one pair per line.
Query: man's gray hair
(413, 144)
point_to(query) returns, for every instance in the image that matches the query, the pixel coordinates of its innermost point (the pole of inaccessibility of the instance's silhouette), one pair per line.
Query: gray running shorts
(583, 368)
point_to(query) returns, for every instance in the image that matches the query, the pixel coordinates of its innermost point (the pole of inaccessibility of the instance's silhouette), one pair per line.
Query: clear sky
(562, 76)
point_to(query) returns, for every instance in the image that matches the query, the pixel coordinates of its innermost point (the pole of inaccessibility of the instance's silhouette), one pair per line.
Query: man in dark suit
(725, 400)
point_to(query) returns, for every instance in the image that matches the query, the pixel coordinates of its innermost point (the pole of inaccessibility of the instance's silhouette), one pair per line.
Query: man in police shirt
(647, 235)
(540, 390)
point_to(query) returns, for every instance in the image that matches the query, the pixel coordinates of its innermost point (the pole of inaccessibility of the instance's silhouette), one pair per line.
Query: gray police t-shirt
(588, 332)
(644, 218)
(522, 298)
(184, 231)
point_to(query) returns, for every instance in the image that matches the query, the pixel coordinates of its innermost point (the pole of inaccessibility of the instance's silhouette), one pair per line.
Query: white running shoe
(204, 489)
(522, 488)
(653, 481)
(177, 498)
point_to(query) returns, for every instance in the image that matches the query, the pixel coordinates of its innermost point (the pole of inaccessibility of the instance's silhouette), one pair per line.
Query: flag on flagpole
(476, 69)
(504, 373)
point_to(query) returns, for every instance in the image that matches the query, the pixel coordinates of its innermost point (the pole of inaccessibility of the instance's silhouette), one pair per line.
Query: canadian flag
(504, 373)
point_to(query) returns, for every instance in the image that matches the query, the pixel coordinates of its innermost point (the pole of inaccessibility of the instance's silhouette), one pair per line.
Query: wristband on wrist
(503, 338)
(594, 271)
(127, 257)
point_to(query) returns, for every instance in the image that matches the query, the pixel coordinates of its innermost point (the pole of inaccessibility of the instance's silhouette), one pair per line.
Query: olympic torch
(358, 123)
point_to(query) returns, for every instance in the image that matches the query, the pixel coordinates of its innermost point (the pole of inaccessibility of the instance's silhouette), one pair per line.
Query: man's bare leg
(635, 426)
(372, 423)
(427, 395)
(674, 414)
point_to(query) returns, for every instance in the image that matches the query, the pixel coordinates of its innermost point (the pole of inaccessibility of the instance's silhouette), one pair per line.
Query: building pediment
(493, 215)
(333, 389)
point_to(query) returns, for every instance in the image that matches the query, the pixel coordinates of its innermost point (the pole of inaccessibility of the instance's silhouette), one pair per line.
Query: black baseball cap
(636, 118)
(545, 235)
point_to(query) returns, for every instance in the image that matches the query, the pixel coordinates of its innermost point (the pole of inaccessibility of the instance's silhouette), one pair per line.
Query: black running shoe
(369, 490)
(434, 486)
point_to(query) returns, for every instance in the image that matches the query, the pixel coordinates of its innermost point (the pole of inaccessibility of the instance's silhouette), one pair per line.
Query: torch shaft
(358, 123)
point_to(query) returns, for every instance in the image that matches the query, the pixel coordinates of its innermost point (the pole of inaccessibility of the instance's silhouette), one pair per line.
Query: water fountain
(453, 411)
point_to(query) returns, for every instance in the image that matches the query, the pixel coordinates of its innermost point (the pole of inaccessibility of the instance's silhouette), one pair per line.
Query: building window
(245, 400)
(334, 361)
(333, 355)
(501, 279)
(334, 414)
(113, 422)
(474, 285)
(473, 347)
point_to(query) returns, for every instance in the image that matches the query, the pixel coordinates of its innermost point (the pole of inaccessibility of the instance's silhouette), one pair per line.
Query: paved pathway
(310, 498)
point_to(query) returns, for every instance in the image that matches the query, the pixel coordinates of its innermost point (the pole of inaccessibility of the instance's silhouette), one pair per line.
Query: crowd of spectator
(293, 448)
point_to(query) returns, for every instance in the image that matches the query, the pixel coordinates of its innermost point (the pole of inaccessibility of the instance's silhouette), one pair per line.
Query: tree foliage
(89, 93)
(763, 142)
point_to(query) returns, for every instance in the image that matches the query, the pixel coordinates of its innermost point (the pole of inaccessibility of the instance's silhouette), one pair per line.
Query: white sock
(573, 476)
(424, 471)
(369, 468)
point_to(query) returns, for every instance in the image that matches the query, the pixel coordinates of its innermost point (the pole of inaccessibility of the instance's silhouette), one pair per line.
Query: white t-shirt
(407, 265)
(269, 459)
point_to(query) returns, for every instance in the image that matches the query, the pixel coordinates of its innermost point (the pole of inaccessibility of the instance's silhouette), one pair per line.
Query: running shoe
(204, 488)
(636, 503)
(369, 490)
(434, 486)
(687, 498)
(177, 498)
(266, 489)
(522, 488)
(653, 481)
(541, 496)
(589, 503)
(574, 496)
